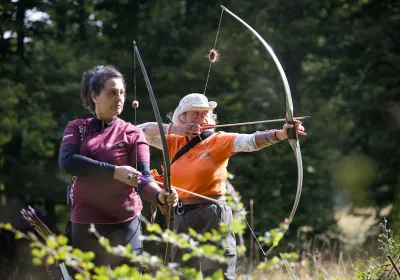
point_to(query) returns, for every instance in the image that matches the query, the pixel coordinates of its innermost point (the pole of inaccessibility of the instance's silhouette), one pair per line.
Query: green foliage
(56, 250)
(354, 174)
(380, 267)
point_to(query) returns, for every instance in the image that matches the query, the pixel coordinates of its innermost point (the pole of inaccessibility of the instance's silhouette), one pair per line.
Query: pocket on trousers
(230, 250)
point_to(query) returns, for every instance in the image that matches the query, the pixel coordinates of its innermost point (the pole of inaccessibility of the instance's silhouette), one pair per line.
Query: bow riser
(166, 158)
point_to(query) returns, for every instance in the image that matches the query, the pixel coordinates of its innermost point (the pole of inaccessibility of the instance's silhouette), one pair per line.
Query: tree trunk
(20, 17)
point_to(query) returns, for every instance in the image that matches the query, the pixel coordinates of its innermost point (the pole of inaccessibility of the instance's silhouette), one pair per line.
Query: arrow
(255, 122)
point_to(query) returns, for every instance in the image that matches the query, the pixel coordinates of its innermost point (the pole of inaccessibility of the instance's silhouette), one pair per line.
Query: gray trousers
(203, 218)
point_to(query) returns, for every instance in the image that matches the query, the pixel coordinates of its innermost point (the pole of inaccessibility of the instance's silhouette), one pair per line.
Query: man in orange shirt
(199, 165)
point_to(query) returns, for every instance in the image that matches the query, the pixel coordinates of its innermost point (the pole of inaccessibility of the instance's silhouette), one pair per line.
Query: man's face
(199, 117)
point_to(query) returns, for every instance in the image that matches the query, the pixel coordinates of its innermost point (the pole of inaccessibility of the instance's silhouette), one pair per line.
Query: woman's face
(110, 102)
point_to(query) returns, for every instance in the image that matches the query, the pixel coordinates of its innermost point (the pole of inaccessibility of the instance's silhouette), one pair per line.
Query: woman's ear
(94, 97)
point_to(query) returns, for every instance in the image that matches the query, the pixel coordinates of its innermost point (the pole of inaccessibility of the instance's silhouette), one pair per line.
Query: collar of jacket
(100, 125)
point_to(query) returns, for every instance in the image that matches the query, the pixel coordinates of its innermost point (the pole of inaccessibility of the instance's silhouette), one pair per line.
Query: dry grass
(315, 266)
(324, 259)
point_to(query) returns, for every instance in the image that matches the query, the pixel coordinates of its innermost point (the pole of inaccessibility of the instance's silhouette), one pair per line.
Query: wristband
(158, 201)
(277, 137)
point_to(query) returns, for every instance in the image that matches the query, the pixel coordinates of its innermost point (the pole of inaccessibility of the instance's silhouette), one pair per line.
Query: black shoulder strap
(204, 135)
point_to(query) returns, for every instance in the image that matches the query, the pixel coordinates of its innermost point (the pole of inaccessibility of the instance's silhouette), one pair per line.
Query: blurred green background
(342, 60)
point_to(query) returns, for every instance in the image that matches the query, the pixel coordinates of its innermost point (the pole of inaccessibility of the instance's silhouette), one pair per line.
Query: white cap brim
(193, 107)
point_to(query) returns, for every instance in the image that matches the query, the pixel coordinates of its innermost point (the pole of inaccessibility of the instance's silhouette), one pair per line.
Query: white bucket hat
(193, 102)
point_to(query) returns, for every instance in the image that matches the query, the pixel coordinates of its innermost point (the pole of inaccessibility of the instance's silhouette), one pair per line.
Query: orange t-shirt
(203, 169)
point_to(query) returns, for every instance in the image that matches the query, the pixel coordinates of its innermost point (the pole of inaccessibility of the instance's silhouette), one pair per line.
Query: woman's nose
(120, 96)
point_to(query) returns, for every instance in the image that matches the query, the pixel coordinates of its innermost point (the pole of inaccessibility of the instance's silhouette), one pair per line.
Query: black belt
(181, 209)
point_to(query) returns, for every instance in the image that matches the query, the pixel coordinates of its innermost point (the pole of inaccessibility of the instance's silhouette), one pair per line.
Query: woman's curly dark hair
(94, 80)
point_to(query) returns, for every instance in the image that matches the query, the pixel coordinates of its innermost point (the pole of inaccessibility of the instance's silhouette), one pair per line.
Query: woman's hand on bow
(127, 174)
(172, 198)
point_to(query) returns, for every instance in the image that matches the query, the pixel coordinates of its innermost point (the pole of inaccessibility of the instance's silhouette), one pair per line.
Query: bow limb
(166, 158)
(292, 135)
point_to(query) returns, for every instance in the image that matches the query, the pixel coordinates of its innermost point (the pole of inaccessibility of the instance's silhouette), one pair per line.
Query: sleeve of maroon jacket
(75, 164)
